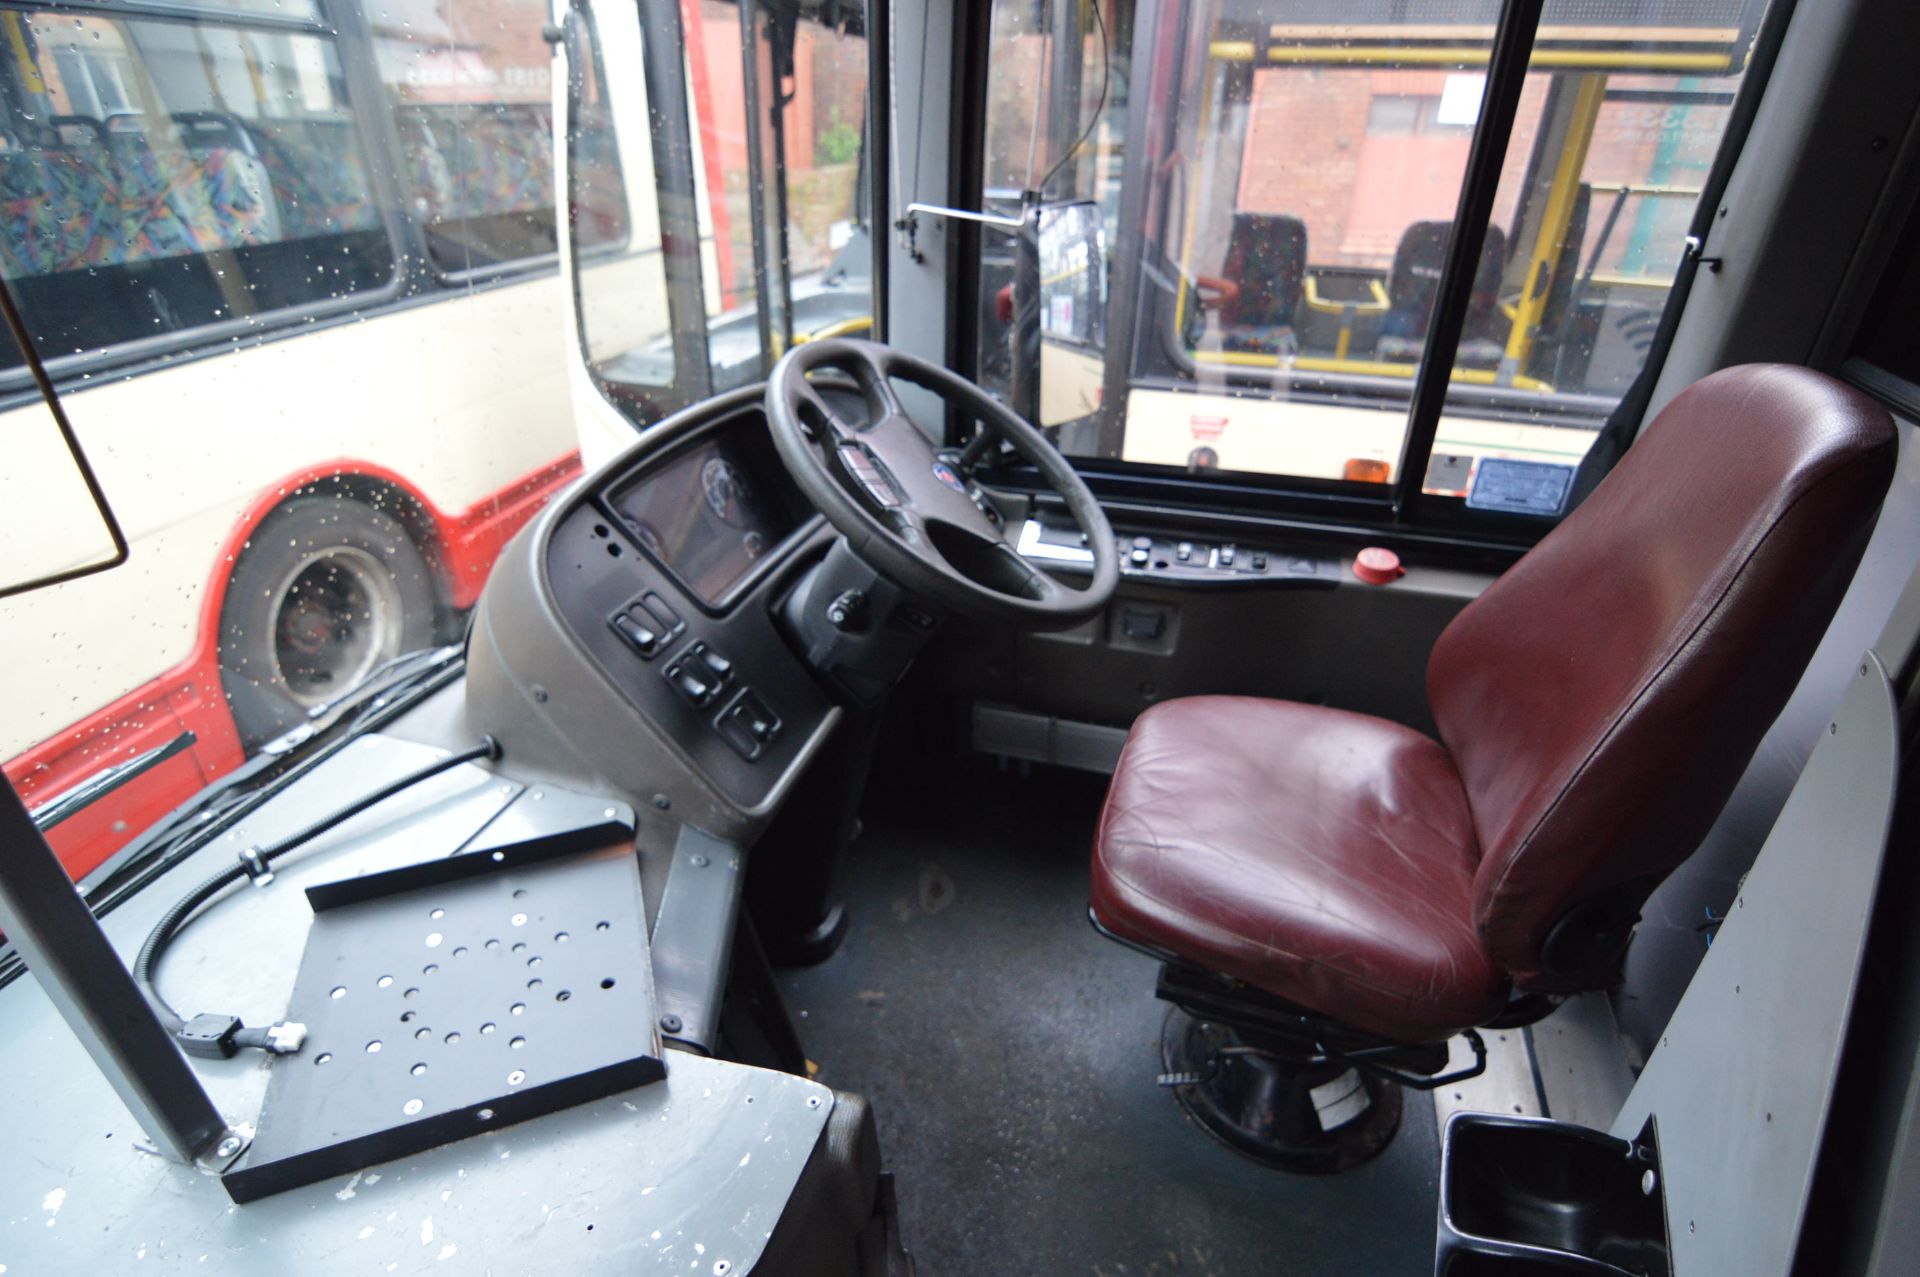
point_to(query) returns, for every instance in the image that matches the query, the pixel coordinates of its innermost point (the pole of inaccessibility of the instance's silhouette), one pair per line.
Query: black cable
(1106, 82)
(218, 1035)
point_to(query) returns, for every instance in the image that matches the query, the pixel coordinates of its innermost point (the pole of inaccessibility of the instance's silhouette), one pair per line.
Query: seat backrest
(62, 209)
(1602, 697)
(166, 207)
(1267, 261)
(319, 182)
(1413, 282)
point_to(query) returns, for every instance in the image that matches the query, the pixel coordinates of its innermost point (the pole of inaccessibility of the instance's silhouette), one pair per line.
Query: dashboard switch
(848, 610)
(691, 678)
(643, 638)
(749, 726)
(717, 665)
(668, 620)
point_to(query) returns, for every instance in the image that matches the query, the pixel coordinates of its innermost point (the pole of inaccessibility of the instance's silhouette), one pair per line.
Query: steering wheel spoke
(818, 421)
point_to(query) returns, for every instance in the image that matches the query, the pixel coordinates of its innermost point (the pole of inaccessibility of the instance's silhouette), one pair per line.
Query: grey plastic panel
(1741, 1081)
(1016, 733)
(693, 938)
(561, 715)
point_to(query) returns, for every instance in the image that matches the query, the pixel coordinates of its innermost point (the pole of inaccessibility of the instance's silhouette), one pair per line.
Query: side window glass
(596, 205)
(828, 242)
(619, 272)
(160, 176)
(1602, 176)
(472, 93)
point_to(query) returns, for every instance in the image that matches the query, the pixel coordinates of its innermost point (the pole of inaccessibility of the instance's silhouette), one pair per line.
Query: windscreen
(1284, 199)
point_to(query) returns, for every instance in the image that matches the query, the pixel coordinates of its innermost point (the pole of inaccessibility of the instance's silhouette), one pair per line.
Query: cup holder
(1524, 1196)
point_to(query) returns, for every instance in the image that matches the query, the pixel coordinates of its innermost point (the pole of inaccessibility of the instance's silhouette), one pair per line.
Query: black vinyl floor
(1010, 1054)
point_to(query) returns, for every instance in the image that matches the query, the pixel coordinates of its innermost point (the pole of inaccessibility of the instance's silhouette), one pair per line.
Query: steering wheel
(914, 515)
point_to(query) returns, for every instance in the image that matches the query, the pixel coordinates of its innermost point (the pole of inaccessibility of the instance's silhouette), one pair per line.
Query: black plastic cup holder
(1521, 1196)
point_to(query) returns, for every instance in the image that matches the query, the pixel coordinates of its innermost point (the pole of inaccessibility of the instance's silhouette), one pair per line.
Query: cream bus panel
(177, 451)
(1313, 440)
(48, 520)
(1069, 383)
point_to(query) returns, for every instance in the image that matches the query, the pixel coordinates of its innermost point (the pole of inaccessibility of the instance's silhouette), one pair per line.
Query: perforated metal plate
(453, 997)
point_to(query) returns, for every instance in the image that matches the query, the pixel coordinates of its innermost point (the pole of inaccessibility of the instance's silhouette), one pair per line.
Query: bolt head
(229, 1146)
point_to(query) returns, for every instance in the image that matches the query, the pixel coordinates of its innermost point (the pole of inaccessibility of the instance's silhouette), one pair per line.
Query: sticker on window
(1060, 314)
(1520, 487)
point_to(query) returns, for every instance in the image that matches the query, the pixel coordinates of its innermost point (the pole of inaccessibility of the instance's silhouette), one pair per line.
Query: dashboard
(633, 631)
(711, 512)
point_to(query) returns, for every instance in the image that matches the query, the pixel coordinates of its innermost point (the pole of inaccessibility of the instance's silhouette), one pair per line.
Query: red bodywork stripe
(188, 697)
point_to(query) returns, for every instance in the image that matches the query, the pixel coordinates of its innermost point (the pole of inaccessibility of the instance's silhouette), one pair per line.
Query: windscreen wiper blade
(386, 692)
(71, 802)
(394, 674)
(233, 797)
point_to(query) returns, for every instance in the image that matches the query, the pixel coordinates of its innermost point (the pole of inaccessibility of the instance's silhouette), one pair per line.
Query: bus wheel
(326, 590)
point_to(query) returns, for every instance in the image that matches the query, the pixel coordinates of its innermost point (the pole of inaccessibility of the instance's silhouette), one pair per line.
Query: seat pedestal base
(1278, 1111)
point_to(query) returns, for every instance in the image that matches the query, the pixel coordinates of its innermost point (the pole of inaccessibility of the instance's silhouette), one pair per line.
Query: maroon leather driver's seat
(1596, 705)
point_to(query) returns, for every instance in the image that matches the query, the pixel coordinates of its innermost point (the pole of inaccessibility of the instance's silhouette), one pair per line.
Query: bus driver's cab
(1191, 634)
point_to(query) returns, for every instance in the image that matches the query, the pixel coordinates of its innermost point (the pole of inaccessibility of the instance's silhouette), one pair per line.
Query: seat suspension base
(1278, 1110)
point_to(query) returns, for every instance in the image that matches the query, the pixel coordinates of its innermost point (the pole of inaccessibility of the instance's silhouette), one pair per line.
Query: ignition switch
(848, 611)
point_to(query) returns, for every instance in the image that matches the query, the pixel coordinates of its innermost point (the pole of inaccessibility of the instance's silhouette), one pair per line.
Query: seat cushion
(1322, 856)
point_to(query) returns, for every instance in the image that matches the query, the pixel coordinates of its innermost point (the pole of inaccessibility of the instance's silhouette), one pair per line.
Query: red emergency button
(1377, 565)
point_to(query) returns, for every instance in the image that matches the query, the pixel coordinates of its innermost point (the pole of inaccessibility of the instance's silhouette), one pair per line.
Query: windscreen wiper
(103, 782)
(383, 696)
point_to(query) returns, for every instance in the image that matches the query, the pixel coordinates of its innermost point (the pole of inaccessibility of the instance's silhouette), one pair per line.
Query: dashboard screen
(712, 512)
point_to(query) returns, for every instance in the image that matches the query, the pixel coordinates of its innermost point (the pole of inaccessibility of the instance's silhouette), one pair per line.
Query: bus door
(715, 161)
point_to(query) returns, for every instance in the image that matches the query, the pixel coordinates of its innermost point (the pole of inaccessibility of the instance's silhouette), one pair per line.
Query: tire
(326, 590)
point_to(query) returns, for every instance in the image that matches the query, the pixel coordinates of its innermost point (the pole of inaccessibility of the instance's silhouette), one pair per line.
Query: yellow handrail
(1346, 310)
(1359, 367)
(1334, 306)
(1555, 219)
(1468, 56)
(843, 328)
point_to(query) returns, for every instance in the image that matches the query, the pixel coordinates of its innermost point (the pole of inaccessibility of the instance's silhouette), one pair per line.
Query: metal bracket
(228, 1149)
(1413, 1081)
(1696, 247)
(965, 215)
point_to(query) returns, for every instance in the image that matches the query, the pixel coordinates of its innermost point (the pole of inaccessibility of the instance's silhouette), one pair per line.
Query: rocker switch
(643, 637)
(749, 726)
(691, 679)
(717, 665)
